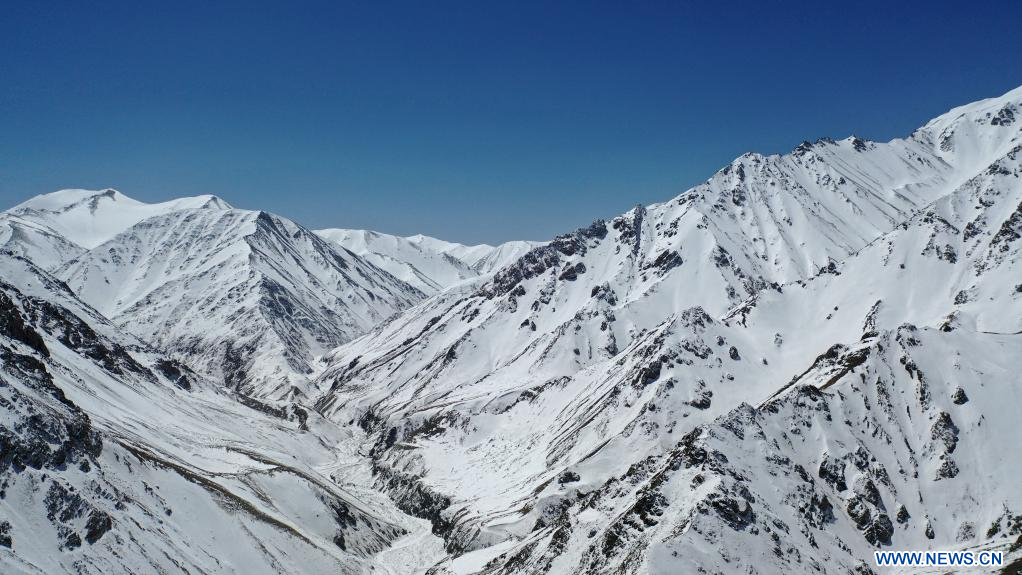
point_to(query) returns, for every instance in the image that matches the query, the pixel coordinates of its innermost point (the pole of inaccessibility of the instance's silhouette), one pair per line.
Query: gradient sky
(469, 121)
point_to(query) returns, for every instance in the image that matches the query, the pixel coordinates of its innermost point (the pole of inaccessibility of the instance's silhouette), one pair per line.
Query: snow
(44, 246)
(245, 296)
(428, 264)
(91, 217)
(804, 359)
(180, 457)
(496, 390)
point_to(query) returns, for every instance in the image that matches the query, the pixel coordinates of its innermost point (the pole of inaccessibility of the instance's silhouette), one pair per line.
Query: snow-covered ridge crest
(91, 217)
(428, 264)
(586, 359)
(970, 135)
(40, 244)
(247, 296)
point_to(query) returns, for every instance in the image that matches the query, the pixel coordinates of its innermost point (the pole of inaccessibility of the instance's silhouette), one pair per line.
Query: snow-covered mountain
(53, 229)
(483, 258)
(36, 242)
(89, 218)
(428, 264)
(520, 402)
(244, 296)
(808, 357)
(116, 459)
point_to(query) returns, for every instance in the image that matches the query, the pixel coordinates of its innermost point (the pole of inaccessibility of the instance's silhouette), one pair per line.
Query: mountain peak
(91, 217)
(66, 199)
(976, 134)
(62, 200)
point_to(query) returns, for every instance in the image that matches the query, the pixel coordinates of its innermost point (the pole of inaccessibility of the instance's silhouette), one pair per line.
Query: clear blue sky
(471, 121)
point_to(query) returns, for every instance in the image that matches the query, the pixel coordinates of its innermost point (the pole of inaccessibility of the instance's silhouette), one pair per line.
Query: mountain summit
(89, 218)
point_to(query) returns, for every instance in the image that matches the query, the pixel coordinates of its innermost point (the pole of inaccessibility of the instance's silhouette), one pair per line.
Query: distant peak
(62, 200)
(859, 144)
(993, 111)
(211, 201)
(803, 148)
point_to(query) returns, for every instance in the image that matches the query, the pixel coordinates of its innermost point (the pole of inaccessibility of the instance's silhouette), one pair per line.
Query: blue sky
(470, 121)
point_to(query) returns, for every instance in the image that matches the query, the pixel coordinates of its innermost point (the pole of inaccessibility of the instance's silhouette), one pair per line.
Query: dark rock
(1005, 116)
(858, 511)
(702, 400)
(77, 335)
(70, 539)
(879, 531)
(630, 228)
(175, 373)
(664, 262)
(571, 273)
(865, 488)
(604, 293)
(948, 469)
(959, 397)
(99, 523)
(689, 453)
(540, 259)
(820, 510)
(736, 513)
(55, 440)
(944, 430)
(417, 499)
(833, 472)
(568, 477)
(649, 507)
(344, 520)
(13, 325)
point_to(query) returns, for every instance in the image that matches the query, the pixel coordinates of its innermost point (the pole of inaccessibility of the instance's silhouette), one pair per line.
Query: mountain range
(804, 359)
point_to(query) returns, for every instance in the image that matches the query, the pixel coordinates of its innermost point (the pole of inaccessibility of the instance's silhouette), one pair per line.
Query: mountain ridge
(429, 264)
(277, 294)
(808, 357)
(584, 317)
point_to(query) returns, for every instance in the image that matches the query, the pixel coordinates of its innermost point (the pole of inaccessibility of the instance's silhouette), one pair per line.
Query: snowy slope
(813, 481)
(116, 459)
(481, 257)
(89, 217)
(247, 297)
(40, 244)
(429, 271)
(428, 264)
(598, 352)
